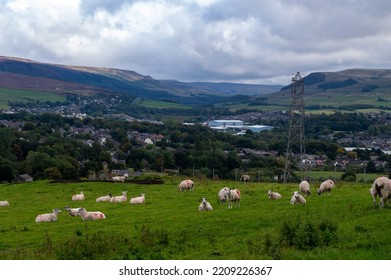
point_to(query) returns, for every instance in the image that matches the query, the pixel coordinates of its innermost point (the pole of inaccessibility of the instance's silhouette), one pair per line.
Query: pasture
(341, 225)
(19, 95)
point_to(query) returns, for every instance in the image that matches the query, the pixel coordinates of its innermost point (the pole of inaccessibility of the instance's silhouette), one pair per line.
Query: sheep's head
(296, 194)
(269, 192)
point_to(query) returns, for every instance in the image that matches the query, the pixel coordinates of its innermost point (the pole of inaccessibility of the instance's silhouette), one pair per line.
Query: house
(23, 178)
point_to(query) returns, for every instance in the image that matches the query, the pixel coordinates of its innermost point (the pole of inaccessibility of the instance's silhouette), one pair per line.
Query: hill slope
(17, 73)
(352, 87)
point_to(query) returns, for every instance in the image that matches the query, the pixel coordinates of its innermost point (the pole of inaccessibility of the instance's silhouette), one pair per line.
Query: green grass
(360, 177)
(169, 225)
(19, 95)
(162, 104)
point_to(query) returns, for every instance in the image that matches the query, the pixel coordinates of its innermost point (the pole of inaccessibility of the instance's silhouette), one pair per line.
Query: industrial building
(236, 126)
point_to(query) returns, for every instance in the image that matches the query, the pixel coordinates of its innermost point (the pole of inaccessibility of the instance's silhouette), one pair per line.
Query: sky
(245, 41)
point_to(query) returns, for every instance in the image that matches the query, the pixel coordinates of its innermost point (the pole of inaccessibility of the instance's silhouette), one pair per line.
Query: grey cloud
(91, 6)
(223, 40)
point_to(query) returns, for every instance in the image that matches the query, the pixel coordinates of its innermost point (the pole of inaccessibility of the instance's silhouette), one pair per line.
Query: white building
(236, 126)
(225, 123)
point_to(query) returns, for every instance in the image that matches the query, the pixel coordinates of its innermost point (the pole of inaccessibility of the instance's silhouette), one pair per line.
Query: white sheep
(381, 187)
(273, 195)
(245, 178)
(72, 211)
(49, 217)
(78, 197)
(186, 185)
(89, 216)
(304, 188)
(138, 200)
(119, 198)
(4, 203)
(104, 198)
(326, 186)
(120, 178)
(223, 195)
(297, 198)
(233, 198)
(205, 205)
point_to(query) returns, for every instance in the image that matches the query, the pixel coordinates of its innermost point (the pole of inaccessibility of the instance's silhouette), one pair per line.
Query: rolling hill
(354, 88)
(18, 73)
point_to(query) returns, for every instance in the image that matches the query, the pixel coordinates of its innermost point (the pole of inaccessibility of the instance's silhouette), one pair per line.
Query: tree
(233, 161)
(7, 172)
(160, 162)
(371, 167)
(7, 137)
(37, 162)
(52, 173)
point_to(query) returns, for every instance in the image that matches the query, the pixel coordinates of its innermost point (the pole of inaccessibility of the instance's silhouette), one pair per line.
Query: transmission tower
(295, 150)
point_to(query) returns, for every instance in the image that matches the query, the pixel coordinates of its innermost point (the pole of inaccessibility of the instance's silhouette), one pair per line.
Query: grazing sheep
(186, 185)
(78, 197)
(205, 205)
(245, 178)
(4, 203)
(89, 216)
(50, 217)
(381, 187)
(273, 195)
(120, 178)
(297, 198)
(223, 195)
(72, 211)
(233, 198)
(326, 186)
(104, 198)
(119, 198)
(138, 200)
(304, 188)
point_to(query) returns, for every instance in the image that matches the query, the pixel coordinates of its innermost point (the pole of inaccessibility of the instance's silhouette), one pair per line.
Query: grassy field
(360, 177)
(18, 95)
(341, 225)
(162, 104)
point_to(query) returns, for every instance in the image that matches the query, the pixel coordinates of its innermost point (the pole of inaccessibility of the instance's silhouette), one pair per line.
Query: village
(237, 125)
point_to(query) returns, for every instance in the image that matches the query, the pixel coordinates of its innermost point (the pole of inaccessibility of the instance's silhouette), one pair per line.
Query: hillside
(365, 88)
(17, 73)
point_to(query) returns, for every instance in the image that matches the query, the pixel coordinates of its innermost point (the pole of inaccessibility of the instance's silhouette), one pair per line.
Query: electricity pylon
(296, 146)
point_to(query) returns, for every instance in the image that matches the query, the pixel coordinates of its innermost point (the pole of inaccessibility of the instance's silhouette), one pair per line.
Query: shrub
(305, 234)
(349, 176)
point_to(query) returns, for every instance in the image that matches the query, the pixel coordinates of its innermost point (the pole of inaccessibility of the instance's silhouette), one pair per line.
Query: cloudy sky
(252, 41)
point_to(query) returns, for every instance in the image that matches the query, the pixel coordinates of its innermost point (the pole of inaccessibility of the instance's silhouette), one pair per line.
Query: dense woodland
(46, 145)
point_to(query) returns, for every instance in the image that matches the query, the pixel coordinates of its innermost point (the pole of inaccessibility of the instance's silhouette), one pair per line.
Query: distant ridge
(20, 73)
(350, 89)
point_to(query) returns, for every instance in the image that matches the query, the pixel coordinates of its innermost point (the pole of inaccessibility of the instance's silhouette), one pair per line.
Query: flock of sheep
(88, 215)
(304, 189)
(381, 188)
(231, 196)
